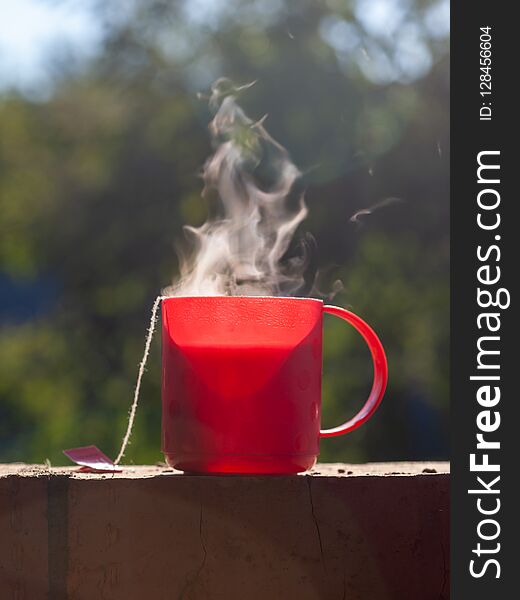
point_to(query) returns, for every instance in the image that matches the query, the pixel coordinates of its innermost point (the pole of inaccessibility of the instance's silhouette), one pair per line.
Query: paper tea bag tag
(90, 458)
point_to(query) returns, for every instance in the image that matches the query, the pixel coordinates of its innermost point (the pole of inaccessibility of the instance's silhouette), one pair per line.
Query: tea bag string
(142, 366)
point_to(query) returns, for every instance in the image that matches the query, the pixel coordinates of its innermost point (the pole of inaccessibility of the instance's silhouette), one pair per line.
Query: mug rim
(243, 297)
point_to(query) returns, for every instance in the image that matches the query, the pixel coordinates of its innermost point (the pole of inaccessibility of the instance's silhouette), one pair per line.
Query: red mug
(241, 385)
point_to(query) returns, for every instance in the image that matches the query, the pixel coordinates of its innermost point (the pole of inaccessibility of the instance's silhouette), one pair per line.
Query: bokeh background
(102, 136)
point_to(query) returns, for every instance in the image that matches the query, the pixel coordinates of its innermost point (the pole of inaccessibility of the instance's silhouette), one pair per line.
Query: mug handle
(380, 371)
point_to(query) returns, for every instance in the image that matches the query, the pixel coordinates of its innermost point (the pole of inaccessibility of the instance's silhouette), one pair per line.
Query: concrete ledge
(371, 532)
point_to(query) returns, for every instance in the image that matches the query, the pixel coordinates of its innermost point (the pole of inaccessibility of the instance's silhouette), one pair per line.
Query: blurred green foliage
(97, 179)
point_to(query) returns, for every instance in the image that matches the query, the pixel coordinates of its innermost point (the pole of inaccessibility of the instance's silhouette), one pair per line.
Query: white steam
(244, 250)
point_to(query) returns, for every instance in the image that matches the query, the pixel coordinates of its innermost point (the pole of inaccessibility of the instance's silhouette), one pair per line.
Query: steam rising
(356, 217)
(243, 250)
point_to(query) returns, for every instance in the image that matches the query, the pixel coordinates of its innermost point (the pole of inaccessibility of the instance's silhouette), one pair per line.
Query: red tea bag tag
(90, 458)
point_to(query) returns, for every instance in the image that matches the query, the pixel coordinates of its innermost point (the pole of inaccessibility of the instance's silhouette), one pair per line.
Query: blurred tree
(97, 180)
